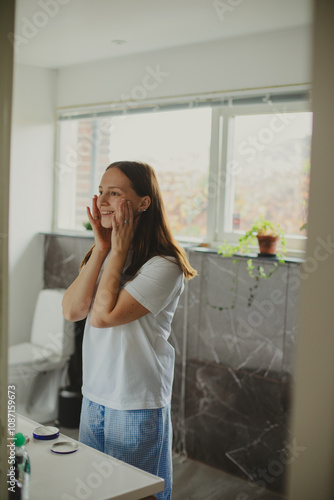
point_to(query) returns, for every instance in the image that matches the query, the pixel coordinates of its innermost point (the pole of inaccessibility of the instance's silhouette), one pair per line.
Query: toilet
(38, 368)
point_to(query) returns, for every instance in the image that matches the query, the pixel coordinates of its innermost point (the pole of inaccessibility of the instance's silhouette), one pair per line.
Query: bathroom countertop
(86, 473)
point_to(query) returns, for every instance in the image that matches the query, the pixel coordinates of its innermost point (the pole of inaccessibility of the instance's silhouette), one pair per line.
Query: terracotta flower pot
(267, 244)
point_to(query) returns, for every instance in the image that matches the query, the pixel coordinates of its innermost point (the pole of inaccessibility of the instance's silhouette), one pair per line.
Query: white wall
(262, 60)
(31, 178)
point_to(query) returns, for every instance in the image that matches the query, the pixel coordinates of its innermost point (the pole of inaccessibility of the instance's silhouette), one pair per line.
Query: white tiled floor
(196, 481)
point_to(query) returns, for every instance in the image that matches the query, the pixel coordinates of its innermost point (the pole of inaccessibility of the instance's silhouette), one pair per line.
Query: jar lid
(45, 432)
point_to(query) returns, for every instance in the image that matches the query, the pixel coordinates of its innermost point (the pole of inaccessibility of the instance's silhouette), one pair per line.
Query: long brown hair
(153, 235)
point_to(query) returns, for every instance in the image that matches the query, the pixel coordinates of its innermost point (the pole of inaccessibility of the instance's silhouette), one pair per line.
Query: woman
(129, 286)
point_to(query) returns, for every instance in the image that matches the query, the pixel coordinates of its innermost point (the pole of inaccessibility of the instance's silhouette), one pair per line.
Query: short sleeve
(159, 281)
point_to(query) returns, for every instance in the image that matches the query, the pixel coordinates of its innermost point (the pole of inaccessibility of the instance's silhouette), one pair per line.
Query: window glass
(175, 143)
(271, 169)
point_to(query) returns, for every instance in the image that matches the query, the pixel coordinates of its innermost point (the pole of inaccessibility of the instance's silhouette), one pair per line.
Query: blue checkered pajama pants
(142, 438)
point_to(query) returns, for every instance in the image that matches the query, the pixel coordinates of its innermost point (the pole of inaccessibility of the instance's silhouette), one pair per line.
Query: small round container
(45, 433)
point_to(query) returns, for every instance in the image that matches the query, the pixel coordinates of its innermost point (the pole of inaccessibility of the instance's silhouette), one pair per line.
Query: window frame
(224, 109)
(222, 138)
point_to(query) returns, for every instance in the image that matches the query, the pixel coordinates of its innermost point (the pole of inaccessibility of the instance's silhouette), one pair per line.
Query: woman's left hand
(123, 227)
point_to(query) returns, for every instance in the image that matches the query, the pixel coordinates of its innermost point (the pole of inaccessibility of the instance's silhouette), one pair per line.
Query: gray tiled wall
(234, 366)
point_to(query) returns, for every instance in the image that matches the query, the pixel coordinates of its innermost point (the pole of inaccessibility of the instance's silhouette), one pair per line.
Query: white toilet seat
(40, 358)
(27, 353)
(39, 367)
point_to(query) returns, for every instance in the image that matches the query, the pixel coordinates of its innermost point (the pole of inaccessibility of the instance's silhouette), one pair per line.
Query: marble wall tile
(62, 258)
(186, 314)
(237, 422)
(290, 338)
(237, 387)
(239, 325)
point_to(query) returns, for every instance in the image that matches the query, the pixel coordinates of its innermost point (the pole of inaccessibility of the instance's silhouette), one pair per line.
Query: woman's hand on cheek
(102, 235)
(123, 227)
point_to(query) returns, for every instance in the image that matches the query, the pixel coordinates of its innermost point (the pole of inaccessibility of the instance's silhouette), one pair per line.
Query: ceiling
(57, 33)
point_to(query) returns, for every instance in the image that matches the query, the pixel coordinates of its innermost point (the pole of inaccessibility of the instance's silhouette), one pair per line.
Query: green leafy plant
(87, 225)
(261, 227)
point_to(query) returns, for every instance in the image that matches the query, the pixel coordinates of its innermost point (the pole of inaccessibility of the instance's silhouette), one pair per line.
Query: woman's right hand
(102, 235)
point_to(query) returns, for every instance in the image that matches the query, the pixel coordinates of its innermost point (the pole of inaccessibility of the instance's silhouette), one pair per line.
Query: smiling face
(115, 187)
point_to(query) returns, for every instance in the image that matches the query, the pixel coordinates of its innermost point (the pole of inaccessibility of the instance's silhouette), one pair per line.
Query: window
(175, 143)
(271, 167)
(220, 163)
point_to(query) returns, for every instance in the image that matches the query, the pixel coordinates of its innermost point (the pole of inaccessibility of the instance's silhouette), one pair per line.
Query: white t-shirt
(131, 366)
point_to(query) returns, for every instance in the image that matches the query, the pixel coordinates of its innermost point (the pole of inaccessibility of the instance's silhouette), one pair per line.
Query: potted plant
(268, 234)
